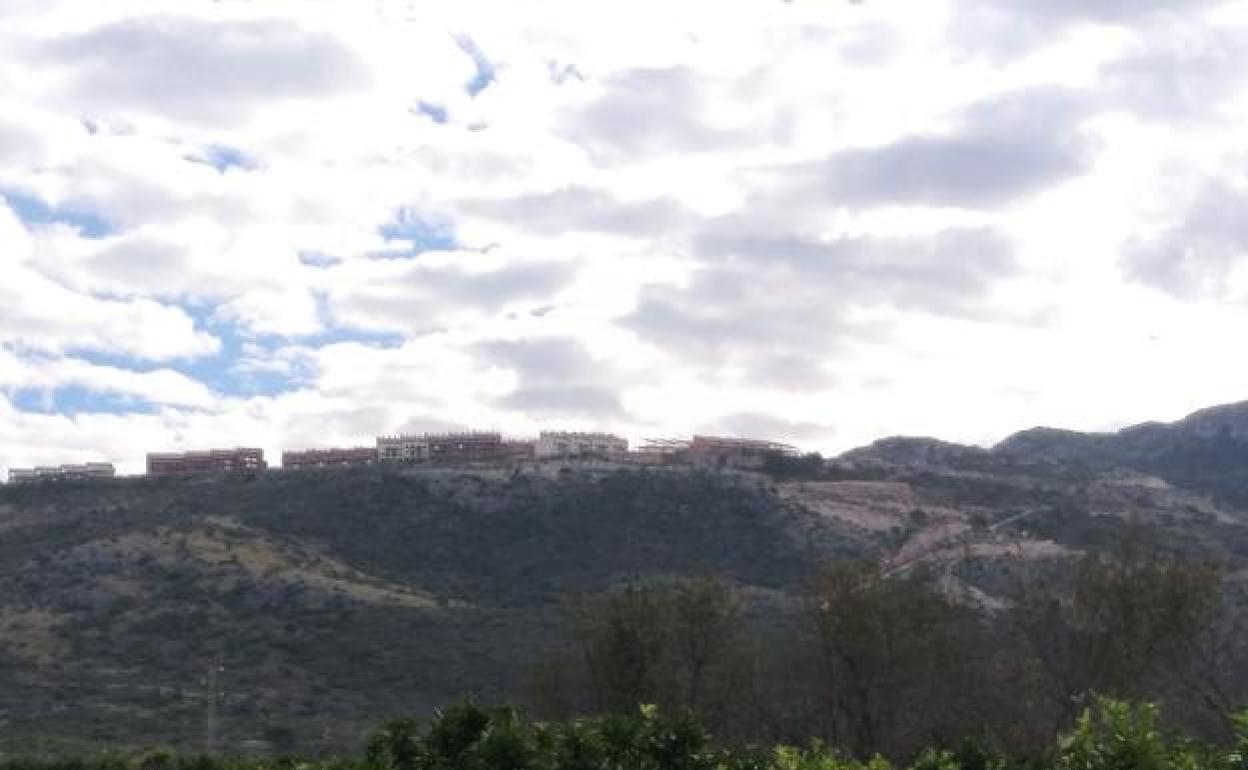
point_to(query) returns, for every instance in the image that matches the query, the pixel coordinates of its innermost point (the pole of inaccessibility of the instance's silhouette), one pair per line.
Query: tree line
(886, 664)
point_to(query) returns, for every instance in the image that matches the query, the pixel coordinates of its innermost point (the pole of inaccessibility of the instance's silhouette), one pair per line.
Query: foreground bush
(1112, 735)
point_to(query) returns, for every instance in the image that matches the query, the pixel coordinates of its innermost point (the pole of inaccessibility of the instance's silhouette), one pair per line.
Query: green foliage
(820, 757)
(467, 737)
(1116, 735)
(1110, 735)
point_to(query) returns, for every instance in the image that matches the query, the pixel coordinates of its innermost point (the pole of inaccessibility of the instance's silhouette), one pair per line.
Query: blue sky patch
(247, 364)
(35, 212)
(424, 233)
(224, 158)
(318, 259)
(436, 112)
(485, 70)
(71, 400)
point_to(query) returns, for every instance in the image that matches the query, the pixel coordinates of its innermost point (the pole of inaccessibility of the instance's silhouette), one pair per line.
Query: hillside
(331, 599)
(348, 595)
(1206, 451)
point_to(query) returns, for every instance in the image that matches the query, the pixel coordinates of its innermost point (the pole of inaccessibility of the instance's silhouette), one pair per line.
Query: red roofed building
(206, 461)
(328, 458)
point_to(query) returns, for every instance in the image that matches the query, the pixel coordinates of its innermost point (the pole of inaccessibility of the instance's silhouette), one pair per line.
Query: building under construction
(446, 448)
(558, 443)
(206, 461)
(713, 451)
(62, 472)
(723, 451)
(328, 458)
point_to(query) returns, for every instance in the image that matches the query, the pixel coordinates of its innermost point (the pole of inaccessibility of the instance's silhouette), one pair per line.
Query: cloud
(760, 298)
(18, 142)
(648, 112)
(157, 386)
(199, 70)
(1008, 31)
(725, 224)
(1195, 257)
(590, 401)
(581, 209)
(555, 377)
(1006, 148)
(948, 272)
(40, 314)
(417, 297)
(767, 426)
(1182, 72)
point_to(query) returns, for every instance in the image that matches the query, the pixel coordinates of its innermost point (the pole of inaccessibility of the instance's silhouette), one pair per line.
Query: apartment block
(734, 452)
(552, 443)
(62, 472)
(206, 461)
(328, 458)
(463, 447)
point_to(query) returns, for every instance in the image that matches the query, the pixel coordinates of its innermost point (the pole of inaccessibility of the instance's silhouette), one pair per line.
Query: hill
(336, 598)
(1206, 451)
(248, 611)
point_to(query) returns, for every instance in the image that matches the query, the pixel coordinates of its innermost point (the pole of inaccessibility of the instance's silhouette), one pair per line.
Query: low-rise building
(402, 449)
(463, 447)
(519, 449)
(553, 443)
(206, 461)
(734, 452)
(328, 458)
(661, 451)
(62, 472)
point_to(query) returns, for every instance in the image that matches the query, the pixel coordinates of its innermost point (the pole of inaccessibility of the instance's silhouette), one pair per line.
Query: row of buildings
(464, 448)
(48, 472)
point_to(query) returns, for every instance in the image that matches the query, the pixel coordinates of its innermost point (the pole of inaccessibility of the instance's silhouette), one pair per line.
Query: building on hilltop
(553, 443)
(62, 472)
(662, 451)
(712, 451)
(402, 449)
(327, 458)
(519, 449)
(206, 461)
(464, 447)
(734, 452)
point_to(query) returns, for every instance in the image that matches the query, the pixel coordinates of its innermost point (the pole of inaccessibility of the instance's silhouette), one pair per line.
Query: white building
(554, 443)
(402, 449)
(62, 472)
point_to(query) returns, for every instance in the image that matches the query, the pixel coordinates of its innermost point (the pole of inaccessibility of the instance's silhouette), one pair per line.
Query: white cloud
(40, 314)
(829, 221)
(158, 386)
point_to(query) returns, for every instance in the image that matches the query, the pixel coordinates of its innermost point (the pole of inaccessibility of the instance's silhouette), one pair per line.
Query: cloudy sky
(291, 224)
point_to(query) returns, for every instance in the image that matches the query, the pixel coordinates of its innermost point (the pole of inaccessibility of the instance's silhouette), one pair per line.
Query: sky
(307, 223)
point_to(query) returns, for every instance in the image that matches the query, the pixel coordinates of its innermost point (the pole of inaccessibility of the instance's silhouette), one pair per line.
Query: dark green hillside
(348, 595)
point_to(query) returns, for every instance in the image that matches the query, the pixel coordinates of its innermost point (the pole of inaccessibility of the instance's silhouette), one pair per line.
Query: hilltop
(334, 598)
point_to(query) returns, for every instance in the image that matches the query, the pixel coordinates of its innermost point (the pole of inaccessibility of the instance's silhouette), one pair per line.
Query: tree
(675, 643)
(622, 637)
(705, 617)
(895, 657)
(1127, 623)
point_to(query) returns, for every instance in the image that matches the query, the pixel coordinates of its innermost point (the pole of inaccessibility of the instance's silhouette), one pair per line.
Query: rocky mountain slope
(242, 611)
